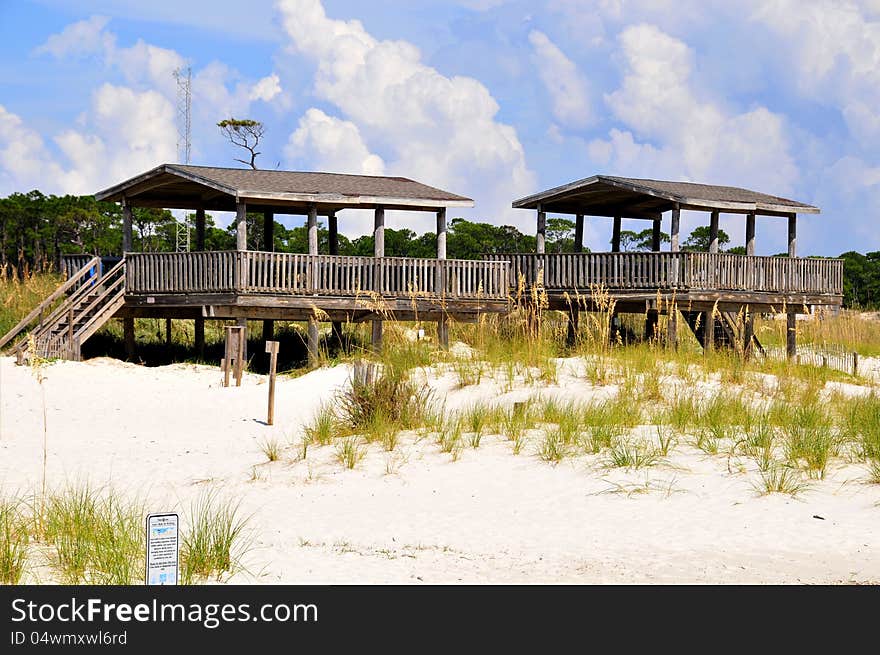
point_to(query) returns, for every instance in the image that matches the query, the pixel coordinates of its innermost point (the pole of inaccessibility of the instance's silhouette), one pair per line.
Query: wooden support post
(655, 235)
(855, 368)
(313, 342)
(713, 232)
(541, 233)
(241, 225)
(168, 336)
(708, 320)
(573, 317)
(791, 333)
(268, 329)
(378, 251)
(792, 235)
(672, 328)
(128, 335)
(199, 337)
(272, 349)
(652, 318)
(236, 338)
(242, 323)
(126, 226)
(750, 235)
(312, 226)
(200, 229)
(441, 233)
(443, 331)
(615, 234)
(674, 229)
(333, 233)
(579, 233)
(199, 323)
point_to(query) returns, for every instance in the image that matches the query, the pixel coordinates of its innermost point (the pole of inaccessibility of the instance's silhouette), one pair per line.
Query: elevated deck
(269, 285)
(695, 279)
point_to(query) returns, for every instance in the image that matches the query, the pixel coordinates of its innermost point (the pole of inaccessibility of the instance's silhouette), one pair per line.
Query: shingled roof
(190, 187)
(605, 195)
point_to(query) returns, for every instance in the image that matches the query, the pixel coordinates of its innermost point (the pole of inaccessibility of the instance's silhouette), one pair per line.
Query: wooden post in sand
(272, 349)
(234, 354)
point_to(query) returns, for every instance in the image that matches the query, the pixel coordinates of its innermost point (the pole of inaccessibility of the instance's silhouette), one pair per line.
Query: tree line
(37, 229)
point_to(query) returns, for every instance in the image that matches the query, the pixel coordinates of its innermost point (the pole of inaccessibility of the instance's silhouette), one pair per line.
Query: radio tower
(184, 140)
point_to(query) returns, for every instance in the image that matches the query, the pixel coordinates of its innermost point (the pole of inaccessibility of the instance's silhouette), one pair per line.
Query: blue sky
(493, 99)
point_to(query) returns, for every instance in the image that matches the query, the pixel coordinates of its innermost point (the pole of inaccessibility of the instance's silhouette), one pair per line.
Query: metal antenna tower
(184, 141)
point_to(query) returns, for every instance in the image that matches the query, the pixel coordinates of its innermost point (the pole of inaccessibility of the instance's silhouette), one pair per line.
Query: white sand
(170, 432)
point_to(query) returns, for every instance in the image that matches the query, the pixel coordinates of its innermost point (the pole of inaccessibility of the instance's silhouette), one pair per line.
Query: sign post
(272, 349)
(163, 549)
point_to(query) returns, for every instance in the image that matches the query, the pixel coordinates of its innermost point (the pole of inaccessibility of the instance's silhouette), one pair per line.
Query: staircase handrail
(39, 309)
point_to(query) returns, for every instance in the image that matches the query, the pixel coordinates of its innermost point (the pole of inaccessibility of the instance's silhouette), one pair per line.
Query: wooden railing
(332, 275)
(679, 270)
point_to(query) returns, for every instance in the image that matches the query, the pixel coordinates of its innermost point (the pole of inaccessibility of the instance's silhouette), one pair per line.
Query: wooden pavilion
(707, 288)
(261, 284)
(710, 290)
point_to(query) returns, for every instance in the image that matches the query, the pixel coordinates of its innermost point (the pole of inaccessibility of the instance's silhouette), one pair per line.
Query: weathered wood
(579, 233)
(441, 233)
(674, 229)
(713, 232)
(272, 349)
(243, 326)
(241, 225)
(615, 234)
(126, 226)
(199, 337)
(443, 331)
(681, 270)
(167, 335)
(791, 333)
(655, 236)
(541, 232)
(792, 235)
(312, 226)
(750, 234)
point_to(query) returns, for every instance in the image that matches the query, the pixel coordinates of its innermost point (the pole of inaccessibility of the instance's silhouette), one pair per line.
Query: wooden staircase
(92, 300)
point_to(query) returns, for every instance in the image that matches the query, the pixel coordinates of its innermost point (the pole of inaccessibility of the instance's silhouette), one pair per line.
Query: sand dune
(414, 515)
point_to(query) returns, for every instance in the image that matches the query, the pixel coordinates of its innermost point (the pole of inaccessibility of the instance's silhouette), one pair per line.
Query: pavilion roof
(182, 186)
(605, 195)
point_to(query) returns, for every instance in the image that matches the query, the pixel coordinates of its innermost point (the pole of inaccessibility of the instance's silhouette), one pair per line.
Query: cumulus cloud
(266, 88)
(128, 128)
(833, 48)
(564, 82)
(442, 130)
(331, 144)
(671, 130)
(24, 161)
(83, 37)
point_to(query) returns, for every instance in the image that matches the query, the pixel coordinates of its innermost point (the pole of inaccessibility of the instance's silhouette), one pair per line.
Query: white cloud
(331, 144)
(439, 129)
(673, 132)
(84, 37)
(25, 163)
(833, 48)
(565, 84)
(266, 88)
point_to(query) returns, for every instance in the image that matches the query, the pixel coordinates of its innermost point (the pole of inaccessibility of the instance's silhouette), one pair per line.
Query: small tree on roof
(244, 133)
